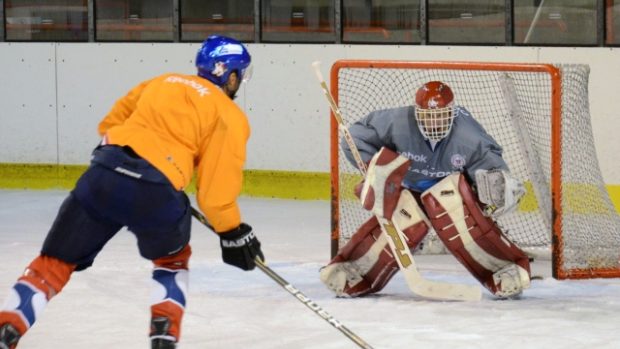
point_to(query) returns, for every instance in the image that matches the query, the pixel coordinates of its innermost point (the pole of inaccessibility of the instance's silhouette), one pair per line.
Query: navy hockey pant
(110, 196)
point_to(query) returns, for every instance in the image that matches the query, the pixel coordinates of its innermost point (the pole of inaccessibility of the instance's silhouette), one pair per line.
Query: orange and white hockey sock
(44, 278)
(170, 283)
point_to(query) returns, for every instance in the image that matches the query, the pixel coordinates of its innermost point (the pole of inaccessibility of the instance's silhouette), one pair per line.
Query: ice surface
(107, 306)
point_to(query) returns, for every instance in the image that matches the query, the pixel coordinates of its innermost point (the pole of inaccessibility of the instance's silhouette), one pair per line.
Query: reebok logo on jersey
(414, 157)
(202, 90)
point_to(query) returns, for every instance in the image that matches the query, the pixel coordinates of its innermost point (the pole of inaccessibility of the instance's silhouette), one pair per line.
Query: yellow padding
(578, 198)
(260, 183)
(614, 194)
(39, 176)
(287, 185)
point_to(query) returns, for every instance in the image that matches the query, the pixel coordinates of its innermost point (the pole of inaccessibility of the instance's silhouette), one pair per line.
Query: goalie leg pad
(365, 257)
(382, 184)
(474, 239)
(365, 264)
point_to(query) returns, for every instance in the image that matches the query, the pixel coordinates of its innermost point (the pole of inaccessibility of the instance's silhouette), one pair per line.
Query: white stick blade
(420, 286)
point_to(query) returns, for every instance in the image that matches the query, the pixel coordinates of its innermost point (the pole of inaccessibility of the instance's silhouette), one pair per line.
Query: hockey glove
(499, 191)
(240, 246)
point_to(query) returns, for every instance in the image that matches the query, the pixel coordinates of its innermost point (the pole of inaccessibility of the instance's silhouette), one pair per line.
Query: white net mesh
(515, 108)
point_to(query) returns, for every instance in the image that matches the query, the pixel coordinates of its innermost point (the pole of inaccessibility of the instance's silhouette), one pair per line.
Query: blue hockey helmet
(219, 56)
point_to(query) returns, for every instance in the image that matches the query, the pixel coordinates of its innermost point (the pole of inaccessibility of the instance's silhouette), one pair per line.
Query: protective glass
(246, 74)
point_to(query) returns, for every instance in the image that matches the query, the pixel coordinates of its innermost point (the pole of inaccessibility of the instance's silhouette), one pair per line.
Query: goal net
(539, 114)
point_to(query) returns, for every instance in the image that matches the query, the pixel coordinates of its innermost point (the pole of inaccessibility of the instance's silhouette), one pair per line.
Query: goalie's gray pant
(365, 265)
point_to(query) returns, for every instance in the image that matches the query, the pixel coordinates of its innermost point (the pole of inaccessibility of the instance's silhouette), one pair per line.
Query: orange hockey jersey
(180, 123)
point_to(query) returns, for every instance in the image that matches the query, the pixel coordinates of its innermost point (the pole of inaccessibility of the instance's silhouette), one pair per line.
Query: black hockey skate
(160, 339)
(8, 336)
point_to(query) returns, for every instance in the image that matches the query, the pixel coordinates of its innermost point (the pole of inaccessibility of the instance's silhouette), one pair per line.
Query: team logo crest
(458, 161)
(220, 69)
(432, 103)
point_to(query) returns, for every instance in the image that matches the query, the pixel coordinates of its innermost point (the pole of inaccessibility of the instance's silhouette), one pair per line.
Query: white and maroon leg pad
(365, 264)
(382, 185)
(474, 239)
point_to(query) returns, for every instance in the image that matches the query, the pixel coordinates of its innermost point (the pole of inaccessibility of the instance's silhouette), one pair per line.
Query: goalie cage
(539, 114)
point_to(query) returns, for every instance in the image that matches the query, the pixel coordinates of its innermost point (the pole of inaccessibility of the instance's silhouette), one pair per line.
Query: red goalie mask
(434, 110)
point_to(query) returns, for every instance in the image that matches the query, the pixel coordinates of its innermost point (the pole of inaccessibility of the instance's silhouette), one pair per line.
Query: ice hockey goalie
(462, 221)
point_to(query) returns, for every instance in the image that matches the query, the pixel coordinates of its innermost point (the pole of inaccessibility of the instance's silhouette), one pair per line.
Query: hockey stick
(295, 292)
(396, 239)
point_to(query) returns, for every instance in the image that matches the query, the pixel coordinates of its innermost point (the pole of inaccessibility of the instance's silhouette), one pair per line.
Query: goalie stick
(396, 240)
(295, 292)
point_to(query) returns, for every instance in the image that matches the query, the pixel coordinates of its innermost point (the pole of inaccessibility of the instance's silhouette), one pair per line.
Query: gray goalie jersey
(467, 148)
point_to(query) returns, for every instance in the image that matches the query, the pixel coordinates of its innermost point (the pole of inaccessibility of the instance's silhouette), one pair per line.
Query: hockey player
(154, 139)
(444, 152)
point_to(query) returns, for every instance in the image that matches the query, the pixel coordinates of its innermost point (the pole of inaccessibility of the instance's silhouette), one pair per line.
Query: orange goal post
(538, 113)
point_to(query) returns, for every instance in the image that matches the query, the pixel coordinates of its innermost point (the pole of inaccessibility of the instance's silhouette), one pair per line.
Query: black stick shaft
(296, 293)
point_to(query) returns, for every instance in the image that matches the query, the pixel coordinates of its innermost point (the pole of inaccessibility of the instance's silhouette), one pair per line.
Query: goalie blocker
(365, 265)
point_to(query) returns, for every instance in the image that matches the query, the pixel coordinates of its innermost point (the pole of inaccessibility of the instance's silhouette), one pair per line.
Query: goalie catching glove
(240, 246)
(499, 191)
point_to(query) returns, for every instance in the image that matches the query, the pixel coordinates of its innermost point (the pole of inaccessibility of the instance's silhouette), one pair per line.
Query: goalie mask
(219, 56)
(434, 110)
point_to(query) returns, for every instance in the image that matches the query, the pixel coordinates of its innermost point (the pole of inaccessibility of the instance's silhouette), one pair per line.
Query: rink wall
(54, 94)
